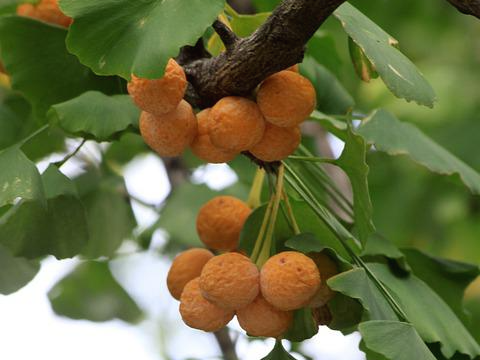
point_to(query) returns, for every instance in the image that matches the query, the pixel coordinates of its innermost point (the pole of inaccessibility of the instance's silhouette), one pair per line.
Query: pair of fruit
(213, 289)
(45, 10)
(269, 129)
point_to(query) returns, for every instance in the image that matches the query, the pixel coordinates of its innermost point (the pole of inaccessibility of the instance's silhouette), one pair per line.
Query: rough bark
(276, 45)
(469, 7)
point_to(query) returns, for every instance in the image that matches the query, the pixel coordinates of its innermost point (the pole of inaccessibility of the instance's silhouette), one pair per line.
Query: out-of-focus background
(412, 207)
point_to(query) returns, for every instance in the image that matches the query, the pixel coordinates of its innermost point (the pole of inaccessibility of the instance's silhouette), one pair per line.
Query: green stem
(254, 198)
(290, 214)
(62, 162)
(32, 135)
(261, 233)
(312, 159)
(230, 11)
(321, 172)
(267, 245)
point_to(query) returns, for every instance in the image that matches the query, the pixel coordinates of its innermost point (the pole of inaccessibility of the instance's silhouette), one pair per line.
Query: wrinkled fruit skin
(45, 10)
(187, 266)
(289, 280)
(159, 96)
(230, 281)
(169, 134)
(199, 313)
(236, 124)
(202, 146)
(327, 268)
(277, 143)
(286, 98)
(261, 319)
(220, 221)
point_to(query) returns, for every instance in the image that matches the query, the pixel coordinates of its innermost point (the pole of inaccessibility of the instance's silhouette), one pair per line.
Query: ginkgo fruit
(327, 268)
(277, 143)
(202, 146)
(220, 222)
(45, 10)
(186, 266)
(286, 98)
(289, 280)
(199, 313)
(159, 96)
(236, 124)
(169, 134)
(230, 281)
(260, 318)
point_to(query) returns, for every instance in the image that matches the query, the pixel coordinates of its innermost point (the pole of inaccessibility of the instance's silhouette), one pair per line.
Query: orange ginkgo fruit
(202, 146)
(289, 280)
(220, 221)
(286, 98)
(277, 143)
(199, 313)
(159, 96)
(236, 124)
(186, 266)
(260, 318)
(169, 134)
(230, 281)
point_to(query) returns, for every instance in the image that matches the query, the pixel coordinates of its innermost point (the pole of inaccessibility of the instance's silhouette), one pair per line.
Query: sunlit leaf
(396, 70)
(394, 137)
(95, 115)
(121, 37)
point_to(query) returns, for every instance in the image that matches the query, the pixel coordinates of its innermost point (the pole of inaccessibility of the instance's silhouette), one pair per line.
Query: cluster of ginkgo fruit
(45, 10)
(268, 128)
(212, 289)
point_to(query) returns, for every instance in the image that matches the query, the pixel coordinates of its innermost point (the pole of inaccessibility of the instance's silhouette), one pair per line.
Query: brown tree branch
(226, 344)
(276, 45)
(469, 7)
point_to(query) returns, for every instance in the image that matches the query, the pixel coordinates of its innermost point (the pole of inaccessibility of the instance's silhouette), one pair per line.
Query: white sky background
(30, 330)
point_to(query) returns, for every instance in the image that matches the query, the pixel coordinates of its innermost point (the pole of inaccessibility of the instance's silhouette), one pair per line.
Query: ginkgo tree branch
(469, 7)
(274, 46)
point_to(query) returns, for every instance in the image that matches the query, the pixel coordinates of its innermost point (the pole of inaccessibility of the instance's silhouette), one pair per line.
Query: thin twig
(227, 346)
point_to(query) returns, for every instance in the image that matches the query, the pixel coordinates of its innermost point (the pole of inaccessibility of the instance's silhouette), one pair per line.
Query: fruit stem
(267, 245)
(290, 213)
(261, 233)
(254, 198)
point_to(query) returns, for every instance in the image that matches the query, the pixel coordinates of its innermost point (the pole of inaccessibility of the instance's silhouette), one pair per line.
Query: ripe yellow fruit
(289, 280)
(45, 10)
(186, 266)
(230, 281)
(277, 143)
(220, 221)
(236, 124)
(159, 96)
(169, 134)
(327, 268)
(261, 319)
(286, 98)
(199, 313)
(202, 146)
